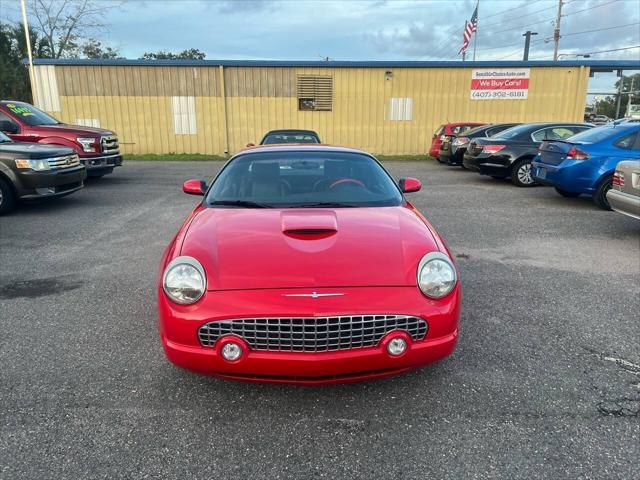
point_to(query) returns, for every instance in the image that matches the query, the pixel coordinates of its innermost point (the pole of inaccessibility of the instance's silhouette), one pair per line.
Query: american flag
(471, 27)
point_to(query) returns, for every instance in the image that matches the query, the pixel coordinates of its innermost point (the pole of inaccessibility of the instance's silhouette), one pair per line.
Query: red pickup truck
(97, 148)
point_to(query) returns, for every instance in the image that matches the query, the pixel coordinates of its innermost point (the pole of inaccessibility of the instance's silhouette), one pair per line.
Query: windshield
(29, 114)
(4, 138)
(303, 179)
(513, 132)
(274, 138)
(594, 135)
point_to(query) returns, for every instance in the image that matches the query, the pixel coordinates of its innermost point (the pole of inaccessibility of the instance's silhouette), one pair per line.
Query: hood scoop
(302, 223)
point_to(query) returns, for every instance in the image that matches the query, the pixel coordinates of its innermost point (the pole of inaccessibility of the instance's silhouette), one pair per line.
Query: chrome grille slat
(66, 161)
(312, 334)
(109, 144)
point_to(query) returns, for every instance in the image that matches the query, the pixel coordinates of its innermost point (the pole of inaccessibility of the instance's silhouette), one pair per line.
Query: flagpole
(475, 37)
(32, 78)
(464, 53)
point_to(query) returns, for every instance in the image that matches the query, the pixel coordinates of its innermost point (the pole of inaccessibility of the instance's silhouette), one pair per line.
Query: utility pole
(556, 32)
(527, 43)
(620, 83)
(633, 78)
(32, 76)
(475, 37)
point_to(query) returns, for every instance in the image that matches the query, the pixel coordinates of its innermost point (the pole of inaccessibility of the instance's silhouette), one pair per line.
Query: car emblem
(313, 294)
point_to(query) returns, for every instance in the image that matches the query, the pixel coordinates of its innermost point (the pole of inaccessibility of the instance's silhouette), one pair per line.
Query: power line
(522, 5)
(601, 29)
(589, 8)
(613, 50)
(521, 16)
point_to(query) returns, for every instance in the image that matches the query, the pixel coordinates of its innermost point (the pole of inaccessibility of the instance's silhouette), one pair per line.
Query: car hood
(286, 248)
(65, 129)
(33, 150)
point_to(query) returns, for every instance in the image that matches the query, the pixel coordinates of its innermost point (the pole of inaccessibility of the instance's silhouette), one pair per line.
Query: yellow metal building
(217, 107)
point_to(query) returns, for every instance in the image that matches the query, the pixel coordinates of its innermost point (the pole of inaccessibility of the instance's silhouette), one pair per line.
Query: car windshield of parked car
(303, 179)
(594, 135)
(513, 132)
(29, 114)
(274, 138)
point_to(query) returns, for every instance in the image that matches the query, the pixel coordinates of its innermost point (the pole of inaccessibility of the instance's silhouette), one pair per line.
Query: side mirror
(251, 144)
(408, 185)
(194, 187)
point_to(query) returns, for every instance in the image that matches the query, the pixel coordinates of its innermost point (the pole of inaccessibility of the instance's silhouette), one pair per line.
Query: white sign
(500, 84)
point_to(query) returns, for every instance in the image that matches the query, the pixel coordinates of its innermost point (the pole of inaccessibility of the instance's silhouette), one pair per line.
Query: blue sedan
(585, 163)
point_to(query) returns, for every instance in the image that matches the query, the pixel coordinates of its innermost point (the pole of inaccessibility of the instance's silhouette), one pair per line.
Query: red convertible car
(306, 264)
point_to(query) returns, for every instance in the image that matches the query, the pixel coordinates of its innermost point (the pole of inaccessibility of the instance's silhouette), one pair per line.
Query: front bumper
(575, 176)
(102, 162)
(32, 185)
(625, 203)
(179, 333)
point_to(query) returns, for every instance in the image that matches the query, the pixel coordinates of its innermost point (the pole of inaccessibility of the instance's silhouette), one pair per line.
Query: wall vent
(315, 92)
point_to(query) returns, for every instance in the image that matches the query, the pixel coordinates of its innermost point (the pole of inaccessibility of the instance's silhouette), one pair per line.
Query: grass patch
(174, 157)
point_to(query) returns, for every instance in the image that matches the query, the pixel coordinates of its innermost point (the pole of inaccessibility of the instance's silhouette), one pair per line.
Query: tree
(191, 54)
(14, 77)
(63, 23)
(94, 49)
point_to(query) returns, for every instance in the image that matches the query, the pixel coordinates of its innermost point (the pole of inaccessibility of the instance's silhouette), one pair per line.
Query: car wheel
(521, 174)
(566, 193)
(7, 199)
(600, 197)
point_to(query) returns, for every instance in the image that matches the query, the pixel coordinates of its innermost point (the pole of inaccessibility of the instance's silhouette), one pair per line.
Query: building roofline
(595, 65)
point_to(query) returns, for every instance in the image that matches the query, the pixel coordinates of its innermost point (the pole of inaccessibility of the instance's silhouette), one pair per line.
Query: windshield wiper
(324, 204)
(240, 203)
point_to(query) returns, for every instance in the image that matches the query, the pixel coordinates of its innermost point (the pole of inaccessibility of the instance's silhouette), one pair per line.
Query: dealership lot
(545, 381)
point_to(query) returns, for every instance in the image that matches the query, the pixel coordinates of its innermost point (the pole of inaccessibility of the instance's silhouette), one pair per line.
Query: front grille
(110, 145)
(63, 162)
(312, 334)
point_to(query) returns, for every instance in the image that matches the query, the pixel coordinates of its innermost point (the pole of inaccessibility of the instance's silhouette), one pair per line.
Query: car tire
(566, 193)
(521, 175)
(7, 198)
(600, 197)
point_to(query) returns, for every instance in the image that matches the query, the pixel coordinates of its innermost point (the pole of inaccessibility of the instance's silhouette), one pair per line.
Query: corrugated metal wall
(139, 103)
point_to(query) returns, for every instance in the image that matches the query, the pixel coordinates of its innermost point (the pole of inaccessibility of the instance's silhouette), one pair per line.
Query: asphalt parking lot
(545, 382)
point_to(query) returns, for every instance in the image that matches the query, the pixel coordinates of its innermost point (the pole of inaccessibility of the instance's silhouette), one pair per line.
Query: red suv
(97, 148)
(448, 130)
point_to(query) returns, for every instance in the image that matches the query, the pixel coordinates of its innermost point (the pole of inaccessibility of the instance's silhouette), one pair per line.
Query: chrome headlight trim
(192, 262)
(429, 257)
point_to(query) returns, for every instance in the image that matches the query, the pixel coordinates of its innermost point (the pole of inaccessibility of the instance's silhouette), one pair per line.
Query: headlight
(184, 280)
(37, 165)
(436, 275)
(87, 144)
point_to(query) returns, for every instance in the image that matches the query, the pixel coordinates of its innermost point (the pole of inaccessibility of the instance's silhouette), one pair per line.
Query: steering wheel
(342, 181)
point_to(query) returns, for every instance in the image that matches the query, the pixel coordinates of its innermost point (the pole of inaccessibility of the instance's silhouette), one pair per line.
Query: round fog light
(397, 346)
(231, 351)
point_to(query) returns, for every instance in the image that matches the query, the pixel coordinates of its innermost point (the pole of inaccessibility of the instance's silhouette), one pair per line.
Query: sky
(369, 29)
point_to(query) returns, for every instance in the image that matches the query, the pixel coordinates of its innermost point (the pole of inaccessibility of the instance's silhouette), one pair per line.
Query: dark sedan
(452, 149)
(509, 154)
(290, 136)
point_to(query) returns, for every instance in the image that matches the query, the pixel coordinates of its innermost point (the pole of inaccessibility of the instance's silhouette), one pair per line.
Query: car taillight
(618, 179)
(577, 154)
(492, 148)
